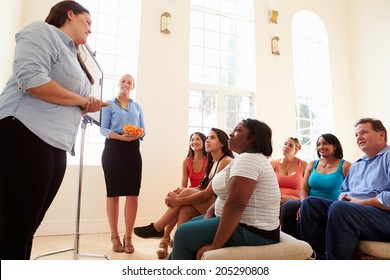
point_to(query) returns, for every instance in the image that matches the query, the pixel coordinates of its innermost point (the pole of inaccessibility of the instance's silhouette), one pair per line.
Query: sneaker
(148, 232)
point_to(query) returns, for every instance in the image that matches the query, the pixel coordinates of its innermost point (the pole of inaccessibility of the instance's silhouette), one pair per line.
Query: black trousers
(31, 172)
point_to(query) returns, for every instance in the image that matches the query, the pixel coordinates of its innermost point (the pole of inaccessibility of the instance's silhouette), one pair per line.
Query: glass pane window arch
(221, 64)
(115, 39)
(313, 92)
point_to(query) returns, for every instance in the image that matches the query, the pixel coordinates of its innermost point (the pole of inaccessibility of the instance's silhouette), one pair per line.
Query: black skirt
(122, 166)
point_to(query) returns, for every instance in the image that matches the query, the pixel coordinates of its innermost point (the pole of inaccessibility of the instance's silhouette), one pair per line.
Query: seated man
(333, 228)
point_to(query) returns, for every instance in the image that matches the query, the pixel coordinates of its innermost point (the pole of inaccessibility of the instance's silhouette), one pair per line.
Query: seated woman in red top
(194, 165)
(289, 170)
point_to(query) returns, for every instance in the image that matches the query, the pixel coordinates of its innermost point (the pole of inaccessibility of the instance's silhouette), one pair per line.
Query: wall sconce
(273, 16)
(275, 45)
(165, 22)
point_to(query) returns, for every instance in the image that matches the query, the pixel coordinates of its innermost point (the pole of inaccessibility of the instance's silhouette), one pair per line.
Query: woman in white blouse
(247, 208)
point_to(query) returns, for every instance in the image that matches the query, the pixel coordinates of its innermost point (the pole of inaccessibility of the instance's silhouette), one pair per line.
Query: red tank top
(290, 184)
(193, 177)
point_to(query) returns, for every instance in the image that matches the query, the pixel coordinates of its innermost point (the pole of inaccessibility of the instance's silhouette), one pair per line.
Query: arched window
(221, 64)
(115, 39)
(312, 80)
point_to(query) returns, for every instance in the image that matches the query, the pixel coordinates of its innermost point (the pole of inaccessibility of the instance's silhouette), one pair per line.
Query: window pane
(228, 26)
(194, 119)
(244, 104)
(227, 60)
(229, 31)
(209, 101)
(109, 7)
(195, 99)
(209, 118)
(228, 78)
(126, 65)
(107, 62)
(196, 36)
(211, 57)
(106, 24)
(196, 55)
(202, 109)
(228, 43)
(196, 19)
(196, 73)
(231, 121)
(212, 22)
(212, 39)
(212, 75)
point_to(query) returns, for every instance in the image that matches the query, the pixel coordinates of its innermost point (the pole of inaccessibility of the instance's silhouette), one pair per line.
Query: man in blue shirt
(334, 228)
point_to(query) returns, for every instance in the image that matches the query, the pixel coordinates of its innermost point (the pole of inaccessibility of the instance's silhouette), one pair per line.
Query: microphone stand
(76, 242)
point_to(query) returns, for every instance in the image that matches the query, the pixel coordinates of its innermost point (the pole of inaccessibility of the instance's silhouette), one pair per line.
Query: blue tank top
(326, 185)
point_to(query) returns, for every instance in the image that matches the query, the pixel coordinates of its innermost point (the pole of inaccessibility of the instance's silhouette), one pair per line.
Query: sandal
(128, 249)
(170, 243)
(162, 250)
(118, 248)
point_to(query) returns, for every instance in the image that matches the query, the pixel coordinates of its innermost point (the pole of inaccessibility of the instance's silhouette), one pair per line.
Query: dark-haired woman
(40, 112)
(195, 163)
(191, 202)
(323, 178)
(247, 207)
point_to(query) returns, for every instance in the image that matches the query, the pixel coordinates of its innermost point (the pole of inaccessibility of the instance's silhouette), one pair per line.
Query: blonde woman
(122, 161)
(289, 170)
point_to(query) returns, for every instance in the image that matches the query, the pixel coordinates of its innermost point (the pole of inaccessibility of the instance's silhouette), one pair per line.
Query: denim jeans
(333, 228)
(290, 224)
(190, 236)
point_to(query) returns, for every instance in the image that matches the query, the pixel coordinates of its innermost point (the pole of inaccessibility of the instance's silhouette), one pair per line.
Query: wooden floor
(91, 244)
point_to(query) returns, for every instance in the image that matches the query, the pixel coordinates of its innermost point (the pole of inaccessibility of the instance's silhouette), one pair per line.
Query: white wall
(275, 80)
(162, 85)
(370, 63)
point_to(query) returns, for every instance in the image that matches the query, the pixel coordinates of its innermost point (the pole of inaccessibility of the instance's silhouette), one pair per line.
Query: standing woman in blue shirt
(121, 161)
(40, 112)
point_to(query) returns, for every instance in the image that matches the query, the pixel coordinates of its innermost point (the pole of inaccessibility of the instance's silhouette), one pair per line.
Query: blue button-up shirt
(114, 117)
(370, 177)
(44, 53)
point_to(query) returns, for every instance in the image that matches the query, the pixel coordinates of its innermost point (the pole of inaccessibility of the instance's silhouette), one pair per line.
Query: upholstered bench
(372, 250)
(288, 248)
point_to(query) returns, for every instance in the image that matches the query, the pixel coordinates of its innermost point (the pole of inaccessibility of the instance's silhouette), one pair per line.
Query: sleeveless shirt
(326, 185)
(194, 178)
(290, 184)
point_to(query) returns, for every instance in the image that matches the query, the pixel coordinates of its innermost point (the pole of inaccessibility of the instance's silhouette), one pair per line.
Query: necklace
(120, 103)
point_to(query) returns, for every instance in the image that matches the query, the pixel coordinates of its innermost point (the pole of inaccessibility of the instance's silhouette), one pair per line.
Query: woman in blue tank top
(323, 178)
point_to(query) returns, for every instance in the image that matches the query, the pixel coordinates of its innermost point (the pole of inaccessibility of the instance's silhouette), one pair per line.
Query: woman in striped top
(247, 208)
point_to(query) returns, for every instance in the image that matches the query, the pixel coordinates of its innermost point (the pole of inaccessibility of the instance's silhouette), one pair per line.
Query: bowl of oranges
(132, 130)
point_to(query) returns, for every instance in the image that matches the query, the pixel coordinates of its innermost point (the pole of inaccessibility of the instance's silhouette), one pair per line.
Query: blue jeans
(290, 224)
(190, 236)
(333, 228)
